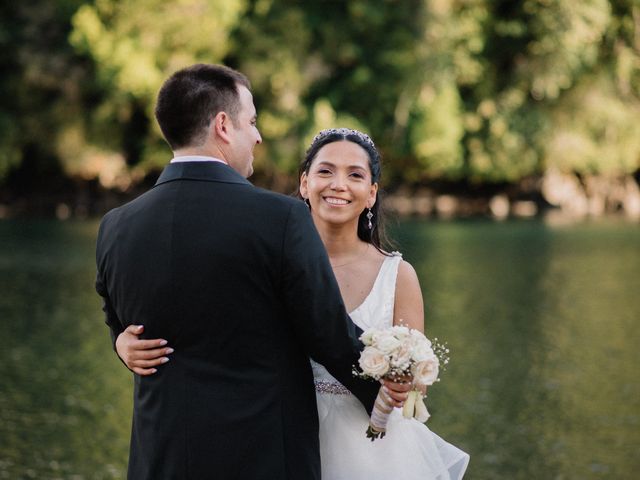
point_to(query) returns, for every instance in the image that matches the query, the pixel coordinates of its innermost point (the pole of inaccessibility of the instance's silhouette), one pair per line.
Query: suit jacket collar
(203, 171)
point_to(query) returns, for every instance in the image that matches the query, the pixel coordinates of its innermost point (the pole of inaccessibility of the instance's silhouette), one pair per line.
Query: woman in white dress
(339, 181)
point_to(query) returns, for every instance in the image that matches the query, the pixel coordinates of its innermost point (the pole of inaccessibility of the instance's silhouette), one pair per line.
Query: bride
(339, 182)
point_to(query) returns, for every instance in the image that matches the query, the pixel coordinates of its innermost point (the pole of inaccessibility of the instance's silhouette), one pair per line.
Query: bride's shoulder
(384, 253)
(409, 306)
(407, 275)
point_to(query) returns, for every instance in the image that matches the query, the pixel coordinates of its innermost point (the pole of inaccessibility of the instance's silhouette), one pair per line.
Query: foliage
(39, 80)
(135, 46)
(475, 90)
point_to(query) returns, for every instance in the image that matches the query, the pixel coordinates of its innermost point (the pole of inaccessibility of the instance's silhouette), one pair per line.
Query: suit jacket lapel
(203, 171)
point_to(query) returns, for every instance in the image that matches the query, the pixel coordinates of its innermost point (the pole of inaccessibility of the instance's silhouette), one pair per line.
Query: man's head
(209, 109)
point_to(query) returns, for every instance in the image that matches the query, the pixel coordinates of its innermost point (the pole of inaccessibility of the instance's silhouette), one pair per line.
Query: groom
(237, 280)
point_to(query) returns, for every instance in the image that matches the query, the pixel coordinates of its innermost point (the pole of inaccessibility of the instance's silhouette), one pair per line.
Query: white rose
(373, 362)
(425, 372)
(421, 349)
(402, 357)
(418, 337)
(401, 332)
(386, 342)
(367, 336)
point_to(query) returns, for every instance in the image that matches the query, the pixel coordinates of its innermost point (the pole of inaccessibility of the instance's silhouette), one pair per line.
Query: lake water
(542, 323)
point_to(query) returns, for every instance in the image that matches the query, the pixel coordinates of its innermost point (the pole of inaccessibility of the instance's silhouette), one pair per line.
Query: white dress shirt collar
(196, 158)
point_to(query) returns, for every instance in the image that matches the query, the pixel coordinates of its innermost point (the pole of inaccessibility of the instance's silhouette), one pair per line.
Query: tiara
(344, 132)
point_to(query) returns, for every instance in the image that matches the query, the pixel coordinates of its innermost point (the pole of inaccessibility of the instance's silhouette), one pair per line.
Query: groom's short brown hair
(191, 97)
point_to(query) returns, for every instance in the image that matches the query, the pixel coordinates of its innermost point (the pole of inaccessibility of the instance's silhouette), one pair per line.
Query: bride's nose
(338, 183)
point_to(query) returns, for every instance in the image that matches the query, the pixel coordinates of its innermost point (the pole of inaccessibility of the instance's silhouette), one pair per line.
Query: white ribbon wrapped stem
(379, 416)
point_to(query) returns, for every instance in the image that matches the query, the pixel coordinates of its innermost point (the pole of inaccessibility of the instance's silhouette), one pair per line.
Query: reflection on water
(65, 401)
(541, 322)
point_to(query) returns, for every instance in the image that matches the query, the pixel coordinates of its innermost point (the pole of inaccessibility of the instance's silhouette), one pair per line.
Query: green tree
(328, 63)
(135, 45)
(41, 82)
(480, 91)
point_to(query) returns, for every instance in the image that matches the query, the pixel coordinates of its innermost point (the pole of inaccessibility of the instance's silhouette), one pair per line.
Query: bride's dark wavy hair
(376, 236)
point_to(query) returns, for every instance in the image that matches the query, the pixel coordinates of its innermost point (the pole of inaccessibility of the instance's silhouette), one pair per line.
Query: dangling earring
(369, 217)
(306, 200)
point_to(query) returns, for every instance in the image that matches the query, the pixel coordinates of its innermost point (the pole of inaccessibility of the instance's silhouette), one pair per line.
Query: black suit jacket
(237, 280)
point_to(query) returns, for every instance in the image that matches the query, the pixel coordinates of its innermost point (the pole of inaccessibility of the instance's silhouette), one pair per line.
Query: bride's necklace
(353, 260)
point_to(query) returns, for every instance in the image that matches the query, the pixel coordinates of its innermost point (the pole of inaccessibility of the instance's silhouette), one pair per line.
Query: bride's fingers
(397, 387)
(397, 400)
(391, 398)
(146, 344)
(148, 363)
(144, 371)
(136, 354)
(134, 329)
(398, 392)
(146, 358)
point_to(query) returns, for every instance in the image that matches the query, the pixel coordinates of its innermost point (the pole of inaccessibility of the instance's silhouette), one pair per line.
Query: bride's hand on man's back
(141, 356)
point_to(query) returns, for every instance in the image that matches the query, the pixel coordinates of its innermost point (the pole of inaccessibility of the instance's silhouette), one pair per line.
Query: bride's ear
(372, 195)
(304, 190)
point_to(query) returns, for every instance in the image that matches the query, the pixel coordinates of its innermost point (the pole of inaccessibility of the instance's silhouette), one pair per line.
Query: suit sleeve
(315, 306)
(111, 317)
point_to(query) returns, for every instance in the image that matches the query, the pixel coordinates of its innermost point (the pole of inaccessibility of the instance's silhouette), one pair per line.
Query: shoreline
(557, 195)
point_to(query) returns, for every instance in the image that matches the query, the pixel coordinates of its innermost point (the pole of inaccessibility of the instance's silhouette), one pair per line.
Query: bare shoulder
(407, 276)
(409, 306)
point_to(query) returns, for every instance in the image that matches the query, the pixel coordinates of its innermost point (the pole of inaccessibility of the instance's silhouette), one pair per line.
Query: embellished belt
(323, 386)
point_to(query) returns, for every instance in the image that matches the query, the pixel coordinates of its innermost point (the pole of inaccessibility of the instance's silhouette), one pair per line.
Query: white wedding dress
(409, 451)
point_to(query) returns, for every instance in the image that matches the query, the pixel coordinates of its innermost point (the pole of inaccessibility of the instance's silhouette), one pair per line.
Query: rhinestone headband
(344, 132)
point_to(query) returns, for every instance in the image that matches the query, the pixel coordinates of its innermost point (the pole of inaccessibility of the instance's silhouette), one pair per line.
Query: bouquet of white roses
(398, 353)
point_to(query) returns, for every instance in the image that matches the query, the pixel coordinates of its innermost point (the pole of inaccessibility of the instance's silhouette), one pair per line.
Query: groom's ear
(221, 126)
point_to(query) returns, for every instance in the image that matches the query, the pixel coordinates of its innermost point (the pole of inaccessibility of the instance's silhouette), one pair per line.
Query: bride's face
(338, 184)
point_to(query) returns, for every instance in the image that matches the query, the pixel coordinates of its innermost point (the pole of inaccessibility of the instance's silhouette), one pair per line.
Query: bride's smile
(338, 185)
(336, 201)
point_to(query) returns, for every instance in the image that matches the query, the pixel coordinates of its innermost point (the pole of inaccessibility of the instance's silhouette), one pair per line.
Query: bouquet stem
(374, 434)
(379, 417)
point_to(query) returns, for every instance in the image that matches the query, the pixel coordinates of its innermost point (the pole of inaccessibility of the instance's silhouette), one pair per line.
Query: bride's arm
(409, 306)
(141, 356)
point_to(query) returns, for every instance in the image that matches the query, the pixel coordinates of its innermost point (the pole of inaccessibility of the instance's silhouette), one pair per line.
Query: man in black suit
(237, 280)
